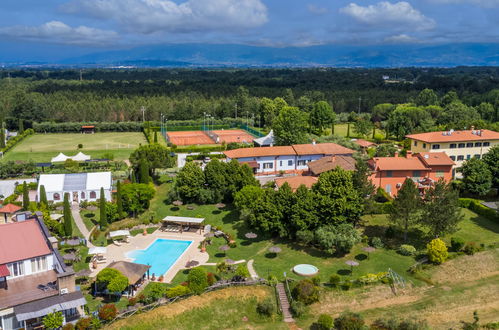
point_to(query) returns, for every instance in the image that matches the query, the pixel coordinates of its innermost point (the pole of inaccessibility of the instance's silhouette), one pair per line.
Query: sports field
(187, 138)
(233, 135)
(42, 147)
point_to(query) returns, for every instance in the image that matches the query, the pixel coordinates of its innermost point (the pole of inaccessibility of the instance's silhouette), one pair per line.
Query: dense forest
(185, 94)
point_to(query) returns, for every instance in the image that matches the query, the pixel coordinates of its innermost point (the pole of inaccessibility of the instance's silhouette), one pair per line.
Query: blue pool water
(160, 255)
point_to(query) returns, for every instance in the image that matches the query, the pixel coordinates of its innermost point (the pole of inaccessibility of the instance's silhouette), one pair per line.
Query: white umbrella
(97, 250)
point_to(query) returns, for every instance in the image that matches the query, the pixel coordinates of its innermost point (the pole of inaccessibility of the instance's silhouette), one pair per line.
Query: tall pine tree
(43, 196)
(68, 225)
(155, 136)
(21, 126)
(25, 196)
(144, 171)
(2, 136)
(102, 207)
(406, 208)
(119, 200)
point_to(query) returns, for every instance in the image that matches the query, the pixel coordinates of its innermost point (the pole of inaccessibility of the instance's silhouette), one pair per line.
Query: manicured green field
(42, 147)
(342, 129)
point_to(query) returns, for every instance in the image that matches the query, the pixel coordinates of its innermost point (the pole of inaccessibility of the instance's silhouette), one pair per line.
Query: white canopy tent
(80, 157)
(97, 250)
(267, 140)
(60, 158)
(118, 233)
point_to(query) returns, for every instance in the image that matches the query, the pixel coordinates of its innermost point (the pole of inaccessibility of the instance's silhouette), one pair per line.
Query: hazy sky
(31, 25)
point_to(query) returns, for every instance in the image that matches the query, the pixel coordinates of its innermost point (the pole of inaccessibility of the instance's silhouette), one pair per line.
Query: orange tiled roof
(435, 158)
(21, 240)
(456, 136)
(329, 163)
(322, 148)
(296, 181)
(364, 143)
(397, 163)
(10, 208)
(260, 152)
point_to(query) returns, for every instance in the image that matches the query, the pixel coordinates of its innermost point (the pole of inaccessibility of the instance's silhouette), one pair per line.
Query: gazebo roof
(10, 208)
(117, 233)
(171, 218)
(131, 270)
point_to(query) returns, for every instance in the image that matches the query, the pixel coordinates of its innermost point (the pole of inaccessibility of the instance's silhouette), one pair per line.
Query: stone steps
(284, 303)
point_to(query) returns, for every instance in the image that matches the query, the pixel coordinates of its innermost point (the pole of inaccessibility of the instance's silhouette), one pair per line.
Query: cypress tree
(43, 196)
(21, 126)
(143, 171)
(119, 201)
(2, 136)
(155, 136)
(68, 225)
(102, 206)
(25, 196)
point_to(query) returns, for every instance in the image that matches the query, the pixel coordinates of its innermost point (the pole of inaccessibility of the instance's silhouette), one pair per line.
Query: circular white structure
(305, 270)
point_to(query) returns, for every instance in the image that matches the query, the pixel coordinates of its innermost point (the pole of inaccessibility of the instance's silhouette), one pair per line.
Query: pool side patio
(140, 242)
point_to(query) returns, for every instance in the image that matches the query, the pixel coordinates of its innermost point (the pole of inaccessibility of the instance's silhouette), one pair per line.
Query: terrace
(25, 289)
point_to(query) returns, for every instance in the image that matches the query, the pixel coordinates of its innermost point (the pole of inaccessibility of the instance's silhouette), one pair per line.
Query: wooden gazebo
(88, 129)
(9, 210)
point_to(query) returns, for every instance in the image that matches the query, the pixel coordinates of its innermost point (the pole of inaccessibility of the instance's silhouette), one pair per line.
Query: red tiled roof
(435, 158)
(456, 136)
(10, 208)
(21, 240)
(88, 126)
(260, 152)
(329, 163)
(321, 148)
(397, 163)
(364, 143)
(296, 181)
(4, 271)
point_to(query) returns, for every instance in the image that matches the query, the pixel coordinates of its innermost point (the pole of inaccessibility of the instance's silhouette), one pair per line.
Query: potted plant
(144, 232)
(203, 246)
(160, 278)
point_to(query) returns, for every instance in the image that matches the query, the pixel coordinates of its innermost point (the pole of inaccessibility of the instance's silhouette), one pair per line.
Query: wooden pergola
(184, 221)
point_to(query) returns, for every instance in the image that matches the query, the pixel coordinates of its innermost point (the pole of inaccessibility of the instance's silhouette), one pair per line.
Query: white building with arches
(79, 186)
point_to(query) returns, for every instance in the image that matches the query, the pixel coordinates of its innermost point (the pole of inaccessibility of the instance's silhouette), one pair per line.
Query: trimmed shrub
(210, 277)
(437, 251)
(84, 323)
(177, 291)
(68, 326)
(346, 285)
(335, 280)
(316, 280)
(266, 307)
(376, 242)
(197, 279)
(457, 244)
(349, 321)
(475, 206)
(306, 292)
(471, 248)
(298, 308)
(305, 236)
(108, 312)
(155, 291)
(242, 271)
(407, 250)
(325, 322)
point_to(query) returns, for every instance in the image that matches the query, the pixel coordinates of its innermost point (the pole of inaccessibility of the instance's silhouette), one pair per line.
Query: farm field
(42, 147)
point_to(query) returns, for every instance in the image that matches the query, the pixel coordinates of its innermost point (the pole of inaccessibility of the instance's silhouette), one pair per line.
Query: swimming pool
(160, 255)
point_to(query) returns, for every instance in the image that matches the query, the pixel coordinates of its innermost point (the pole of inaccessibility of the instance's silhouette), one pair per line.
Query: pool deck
(140, 242)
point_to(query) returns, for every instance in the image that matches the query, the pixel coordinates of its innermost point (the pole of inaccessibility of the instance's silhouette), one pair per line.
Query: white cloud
(314, 9)
(58, 32)
(387, 14)
(481, 3)
(401, 39)
(150, 16)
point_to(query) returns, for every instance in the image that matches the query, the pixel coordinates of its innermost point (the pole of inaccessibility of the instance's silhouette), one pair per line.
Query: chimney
(334, 158)
(313, 142)
(396, 154)
(408, 154)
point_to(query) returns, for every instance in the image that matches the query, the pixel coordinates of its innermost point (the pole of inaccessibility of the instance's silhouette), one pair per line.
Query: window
(16, 268)
(93, 194)
(38, 264)
(435, 146)
(57, 197)
(486, 144)
(460, 157)
(440, 174)
(290, 163)
(461, 145)
(302, 162)
(424, 145)
(452, 146)
(469, 145)
(416, 174)
(478, 144)
(415, 143)
(477, 156)
(468, 157)
(280, 163)
(268, 165)
(453, 157)
(82, 194)
(389, 174)
(388, 188)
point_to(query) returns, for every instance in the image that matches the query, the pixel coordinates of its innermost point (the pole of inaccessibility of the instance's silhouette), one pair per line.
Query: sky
(75, 26)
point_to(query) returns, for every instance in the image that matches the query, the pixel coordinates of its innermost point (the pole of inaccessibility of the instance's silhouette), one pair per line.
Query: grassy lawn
(42, 147)
(341, 130)
(90, 218)
(135, 232)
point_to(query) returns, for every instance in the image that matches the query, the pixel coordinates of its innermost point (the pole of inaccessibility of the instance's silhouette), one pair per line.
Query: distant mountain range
(213, 55)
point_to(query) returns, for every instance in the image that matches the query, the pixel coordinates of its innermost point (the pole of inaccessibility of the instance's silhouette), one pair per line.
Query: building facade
(458, 145)
(80, 186)
(424, 169)
(285, 159)
(34, 280)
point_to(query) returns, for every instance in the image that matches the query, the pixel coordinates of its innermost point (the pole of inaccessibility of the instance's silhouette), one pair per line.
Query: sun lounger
(116, 243)
(52, 285)
(43, 287)
(186, 228)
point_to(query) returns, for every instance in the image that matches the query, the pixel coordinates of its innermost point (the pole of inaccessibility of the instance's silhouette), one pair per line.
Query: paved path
(251, 270)
(75, 211)
(284, 303)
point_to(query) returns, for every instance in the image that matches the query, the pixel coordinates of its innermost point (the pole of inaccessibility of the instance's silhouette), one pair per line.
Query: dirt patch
(192, 303)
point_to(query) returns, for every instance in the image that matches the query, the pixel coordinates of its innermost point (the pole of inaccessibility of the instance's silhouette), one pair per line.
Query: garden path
(251, 270)
(75, 211)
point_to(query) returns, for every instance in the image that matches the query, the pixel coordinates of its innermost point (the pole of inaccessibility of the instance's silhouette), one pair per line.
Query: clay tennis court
(187, 138)
(234, 135)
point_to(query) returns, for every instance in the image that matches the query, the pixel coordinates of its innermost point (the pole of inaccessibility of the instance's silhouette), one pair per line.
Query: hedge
(381, 208)
(16, 139)
(477, 207)
(72, 127)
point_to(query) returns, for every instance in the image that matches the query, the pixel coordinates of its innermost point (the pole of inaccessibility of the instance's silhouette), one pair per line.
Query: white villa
(80, 186)
(290, 159)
